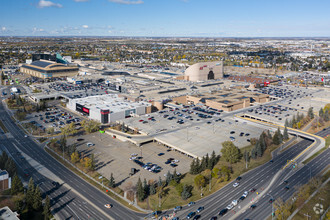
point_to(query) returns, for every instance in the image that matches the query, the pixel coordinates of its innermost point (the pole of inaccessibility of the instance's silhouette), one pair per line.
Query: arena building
(204, 71)
(47, 69)
(108, 108)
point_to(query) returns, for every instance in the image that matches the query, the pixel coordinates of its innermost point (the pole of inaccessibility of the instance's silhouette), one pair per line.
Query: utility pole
(308, 216)
(272, 205)
(210, 181)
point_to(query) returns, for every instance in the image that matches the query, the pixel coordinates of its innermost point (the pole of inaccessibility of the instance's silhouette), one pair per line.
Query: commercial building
(47, 69)
(225, 100)
(108, 108)
(204, 71)
(5, 180)
(8, 214)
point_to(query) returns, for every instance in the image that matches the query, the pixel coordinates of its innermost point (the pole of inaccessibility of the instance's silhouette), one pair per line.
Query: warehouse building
(108, 108)
(47, 69)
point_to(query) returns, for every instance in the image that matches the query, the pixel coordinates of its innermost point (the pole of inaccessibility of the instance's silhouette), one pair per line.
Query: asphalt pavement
(76, 199)
(258, 178)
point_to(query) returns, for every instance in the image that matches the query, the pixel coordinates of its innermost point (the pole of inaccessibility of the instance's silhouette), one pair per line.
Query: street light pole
(272, 205)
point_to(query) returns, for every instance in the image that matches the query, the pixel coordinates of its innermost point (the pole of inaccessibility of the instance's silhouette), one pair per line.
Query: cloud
(127, 2)
(44, 4)
(81, 0)
(3, 28)
(85, 26)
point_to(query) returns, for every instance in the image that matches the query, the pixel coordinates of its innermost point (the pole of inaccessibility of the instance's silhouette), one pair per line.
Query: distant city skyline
(165, 18)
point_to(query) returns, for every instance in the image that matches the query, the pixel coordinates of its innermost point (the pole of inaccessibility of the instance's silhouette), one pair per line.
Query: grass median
(327, 142)
(92, 182)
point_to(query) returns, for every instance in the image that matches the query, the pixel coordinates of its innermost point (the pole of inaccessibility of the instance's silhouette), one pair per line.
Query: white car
(234, 202)
(236, 184)
(245, 194)
(230, 206)
(89, 144)
(134, 155)
(25, 136)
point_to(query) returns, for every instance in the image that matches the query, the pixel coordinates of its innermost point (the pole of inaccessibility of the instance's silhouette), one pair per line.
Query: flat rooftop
(110, 101)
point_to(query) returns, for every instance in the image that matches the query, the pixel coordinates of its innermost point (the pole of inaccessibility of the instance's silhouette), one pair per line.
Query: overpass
(318, 142)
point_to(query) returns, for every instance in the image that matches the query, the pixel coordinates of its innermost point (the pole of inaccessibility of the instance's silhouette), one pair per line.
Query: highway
(68, 204)
(258, 178)
(295, 178)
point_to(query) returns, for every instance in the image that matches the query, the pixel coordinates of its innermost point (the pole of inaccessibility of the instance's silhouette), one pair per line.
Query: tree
(152, 189)
(145, 187)
(46, 212)
(30, 193)
(193, 167)
(285, 134)
(200, 181)
(280, 136)
(197, 166)
(112, 182)
(90, 126)
(3, 159)
(310, 113)
(176, 177)
(140, 191)
(286, 124)
(16, 186)
(75, 157)
(69, 129)
(169, 177)
(10, 166)
(321, 113)
(186, 192)
(203, 164)
(225, 172)
(230, 152)
(212, 161)
(282, 209)
(37, 199)
(254, 153)
(259, 149)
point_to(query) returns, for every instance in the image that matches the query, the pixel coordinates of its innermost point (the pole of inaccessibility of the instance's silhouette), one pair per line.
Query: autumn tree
(200, 181)
(230, 152)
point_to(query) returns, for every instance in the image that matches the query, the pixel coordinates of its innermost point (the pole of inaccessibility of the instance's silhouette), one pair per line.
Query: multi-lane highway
(258, 178)
(76, 199)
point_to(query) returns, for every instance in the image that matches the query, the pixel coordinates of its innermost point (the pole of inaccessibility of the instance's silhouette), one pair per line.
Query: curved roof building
(47, 69)
(204, 71)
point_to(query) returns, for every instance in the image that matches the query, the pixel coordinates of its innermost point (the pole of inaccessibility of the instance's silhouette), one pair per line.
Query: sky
(166, 18)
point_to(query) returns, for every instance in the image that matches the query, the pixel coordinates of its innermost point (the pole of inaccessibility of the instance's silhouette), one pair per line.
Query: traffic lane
(296, 148)
(37, 150)
(38, 178)
(299, 178)
(256, 178)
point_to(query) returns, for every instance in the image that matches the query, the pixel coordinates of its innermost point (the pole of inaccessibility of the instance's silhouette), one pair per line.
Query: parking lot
(75, 90)
(194, 131)
(298, 102)
(115, 156)
(54, 117)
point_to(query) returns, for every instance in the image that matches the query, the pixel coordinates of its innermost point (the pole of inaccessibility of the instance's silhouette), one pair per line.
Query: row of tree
(197, 166)
(7, 163)
(299, 120)
(145, 189)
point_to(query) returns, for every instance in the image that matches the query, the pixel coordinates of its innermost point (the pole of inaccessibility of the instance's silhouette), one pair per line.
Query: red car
(141, 120)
